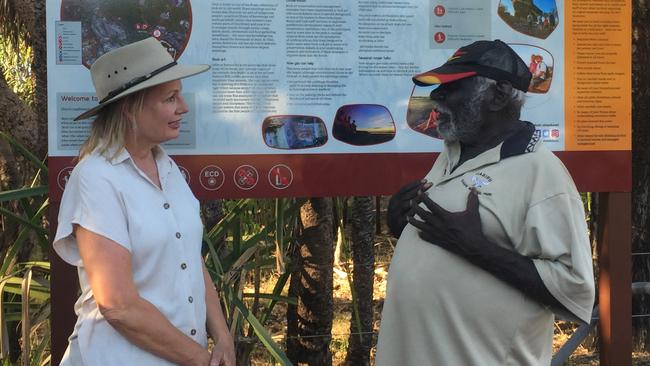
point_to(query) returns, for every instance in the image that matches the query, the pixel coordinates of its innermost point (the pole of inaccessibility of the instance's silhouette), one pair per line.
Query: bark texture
(309, 323)
(363, 258)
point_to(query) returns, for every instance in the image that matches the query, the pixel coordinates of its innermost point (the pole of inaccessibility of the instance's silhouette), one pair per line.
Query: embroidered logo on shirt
(480, 179)
(477, 180)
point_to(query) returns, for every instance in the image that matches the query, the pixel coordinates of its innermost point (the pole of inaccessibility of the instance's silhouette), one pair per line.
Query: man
(493, 241)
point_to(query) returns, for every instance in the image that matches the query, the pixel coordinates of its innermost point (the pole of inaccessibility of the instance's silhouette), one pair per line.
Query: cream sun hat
(132, 68)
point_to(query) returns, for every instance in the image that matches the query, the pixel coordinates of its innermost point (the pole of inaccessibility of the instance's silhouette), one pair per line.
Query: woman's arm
(108, 266)
(223, 352)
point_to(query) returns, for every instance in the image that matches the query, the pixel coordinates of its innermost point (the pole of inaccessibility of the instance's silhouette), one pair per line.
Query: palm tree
(309, 323)
(22, 22)
(363, 258)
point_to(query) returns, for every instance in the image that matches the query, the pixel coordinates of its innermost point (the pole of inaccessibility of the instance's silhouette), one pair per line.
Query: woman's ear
(126, 112)
(502, 95)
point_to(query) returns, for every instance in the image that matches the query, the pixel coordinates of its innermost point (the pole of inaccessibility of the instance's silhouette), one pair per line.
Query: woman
(131, 225)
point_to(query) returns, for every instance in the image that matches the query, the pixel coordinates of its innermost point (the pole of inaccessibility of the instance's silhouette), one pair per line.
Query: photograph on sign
(536, 18)
(294, 132)
(363, 124)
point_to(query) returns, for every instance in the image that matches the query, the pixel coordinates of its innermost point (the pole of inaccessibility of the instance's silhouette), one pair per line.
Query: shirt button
(190, 299)
(183, 265)
(193, 332)
(166, 206)
(178, 235)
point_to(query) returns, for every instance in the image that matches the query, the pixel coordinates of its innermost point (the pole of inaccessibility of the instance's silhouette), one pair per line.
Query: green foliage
(242, 246)
(15, 63)
(25, 287)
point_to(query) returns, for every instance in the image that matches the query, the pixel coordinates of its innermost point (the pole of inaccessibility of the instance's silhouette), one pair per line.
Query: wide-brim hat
(491, 59)
(134, 67)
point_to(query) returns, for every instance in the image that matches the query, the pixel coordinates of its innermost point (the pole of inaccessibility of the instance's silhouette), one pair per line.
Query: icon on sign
(555, 134)
(280, 176)
(185, 173)
(439, 10)
(545, 133)
(63, 177)
(439, 37)
(211, 177)
(246, 177)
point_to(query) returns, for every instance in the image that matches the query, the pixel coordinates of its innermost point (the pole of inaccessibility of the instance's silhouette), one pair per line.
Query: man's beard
(464, 123)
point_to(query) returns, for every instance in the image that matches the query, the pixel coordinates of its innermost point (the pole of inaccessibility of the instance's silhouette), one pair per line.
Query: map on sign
(106, 25)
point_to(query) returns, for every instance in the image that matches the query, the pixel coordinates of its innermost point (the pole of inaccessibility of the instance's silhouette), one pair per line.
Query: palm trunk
(309, 323)
(363, 257)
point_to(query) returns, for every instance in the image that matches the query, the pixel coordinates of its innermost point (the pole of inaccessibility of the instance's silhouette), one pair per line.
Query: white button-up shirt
(162, 230)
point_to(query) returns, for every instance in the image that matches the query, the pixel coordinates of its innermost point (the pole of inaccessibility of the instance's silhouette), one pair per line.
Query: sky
(370, 116)
(545, 5)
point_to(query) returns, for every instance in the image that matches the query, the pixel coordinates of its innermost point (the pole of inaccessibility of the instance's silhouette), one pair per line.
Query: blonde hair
(110, 127)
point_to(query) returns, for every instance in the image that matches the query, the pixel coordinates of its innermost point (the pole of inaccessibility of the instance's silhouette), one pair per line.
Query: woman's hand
(223, 353)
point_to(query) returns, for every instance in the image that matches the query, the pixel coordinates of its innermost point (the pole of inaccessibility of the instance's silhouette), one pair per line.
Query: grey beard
(464, 124)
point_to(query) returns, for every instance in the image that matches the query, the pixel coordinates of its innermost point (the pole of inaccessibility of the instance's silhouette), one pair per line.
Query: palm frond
(16, 18)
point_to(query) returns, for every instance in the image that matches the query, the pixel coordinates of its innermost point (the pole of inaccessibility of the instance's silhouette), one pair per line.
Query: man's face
(461, 107)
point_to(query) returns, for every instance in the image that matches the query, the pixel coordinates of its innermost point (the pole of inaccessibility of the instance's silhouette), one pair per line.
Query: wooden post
(64, 287)
(615, 279)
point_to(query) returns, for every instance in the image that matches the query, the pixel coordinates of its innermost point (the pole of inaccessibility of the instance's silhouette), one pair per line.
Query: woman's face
(161, 115)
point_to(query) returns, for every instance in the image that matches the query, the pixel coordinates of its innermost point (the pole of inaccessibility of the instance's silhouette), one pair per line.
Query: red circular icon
(63, 176)
(185, 173)
(246, 177)
(280, 176)
(439, 10)
(212, 177)
(439, 37)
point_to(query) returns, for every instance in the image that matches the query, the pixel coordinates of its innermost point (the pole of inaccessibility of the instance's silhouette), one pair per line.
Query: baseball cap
(492, 59)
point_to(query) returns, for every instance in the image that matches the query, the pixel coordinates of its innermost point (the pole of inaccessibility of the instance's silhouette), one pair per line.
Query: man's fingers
(410, 190)
(424, 226)
(424, 214)
(472, 201)
(432, 206)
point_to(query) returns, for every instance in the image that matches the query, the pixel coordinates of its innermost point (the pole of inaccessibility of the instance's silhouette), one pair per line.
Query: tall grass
(24, 286)
(254, 237)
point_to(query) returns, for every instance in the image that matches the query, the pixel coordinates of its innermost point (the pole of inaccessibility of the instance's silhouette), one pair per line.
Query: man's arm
(460, 233)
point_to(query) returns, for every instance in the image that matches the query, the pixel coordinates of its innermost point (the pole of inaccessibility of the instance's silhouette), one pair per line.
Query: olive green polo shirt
(442, 310)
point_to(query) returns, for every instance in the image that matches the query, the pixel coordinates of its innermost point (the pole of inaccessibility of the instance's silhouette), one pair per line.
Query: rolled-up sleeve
(557, 224)
(91, 201)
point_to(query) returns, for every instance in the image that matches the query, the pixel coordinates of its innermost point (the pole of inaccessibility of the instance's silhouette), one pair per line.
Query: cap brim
(173, 73)
(441, 75)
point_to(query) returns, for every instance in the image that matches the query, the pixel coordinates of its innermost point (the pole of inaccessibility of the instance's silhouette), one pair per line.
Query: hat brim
(173, 73)
(441, 75)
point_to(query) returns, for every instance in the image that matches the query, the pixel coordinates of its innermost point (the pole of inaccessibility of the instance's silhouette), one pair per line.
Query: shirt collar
(120, 157)
(163, 161)
(525, 140)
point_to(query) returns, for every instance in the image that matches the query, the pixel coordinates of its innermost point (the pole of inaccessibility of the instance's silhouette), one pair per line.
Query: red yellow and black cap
(492, 59)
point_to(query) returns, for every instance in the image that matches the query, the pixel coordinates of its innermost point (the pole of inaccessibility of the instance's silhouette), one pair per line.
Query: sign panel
(315, 98)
